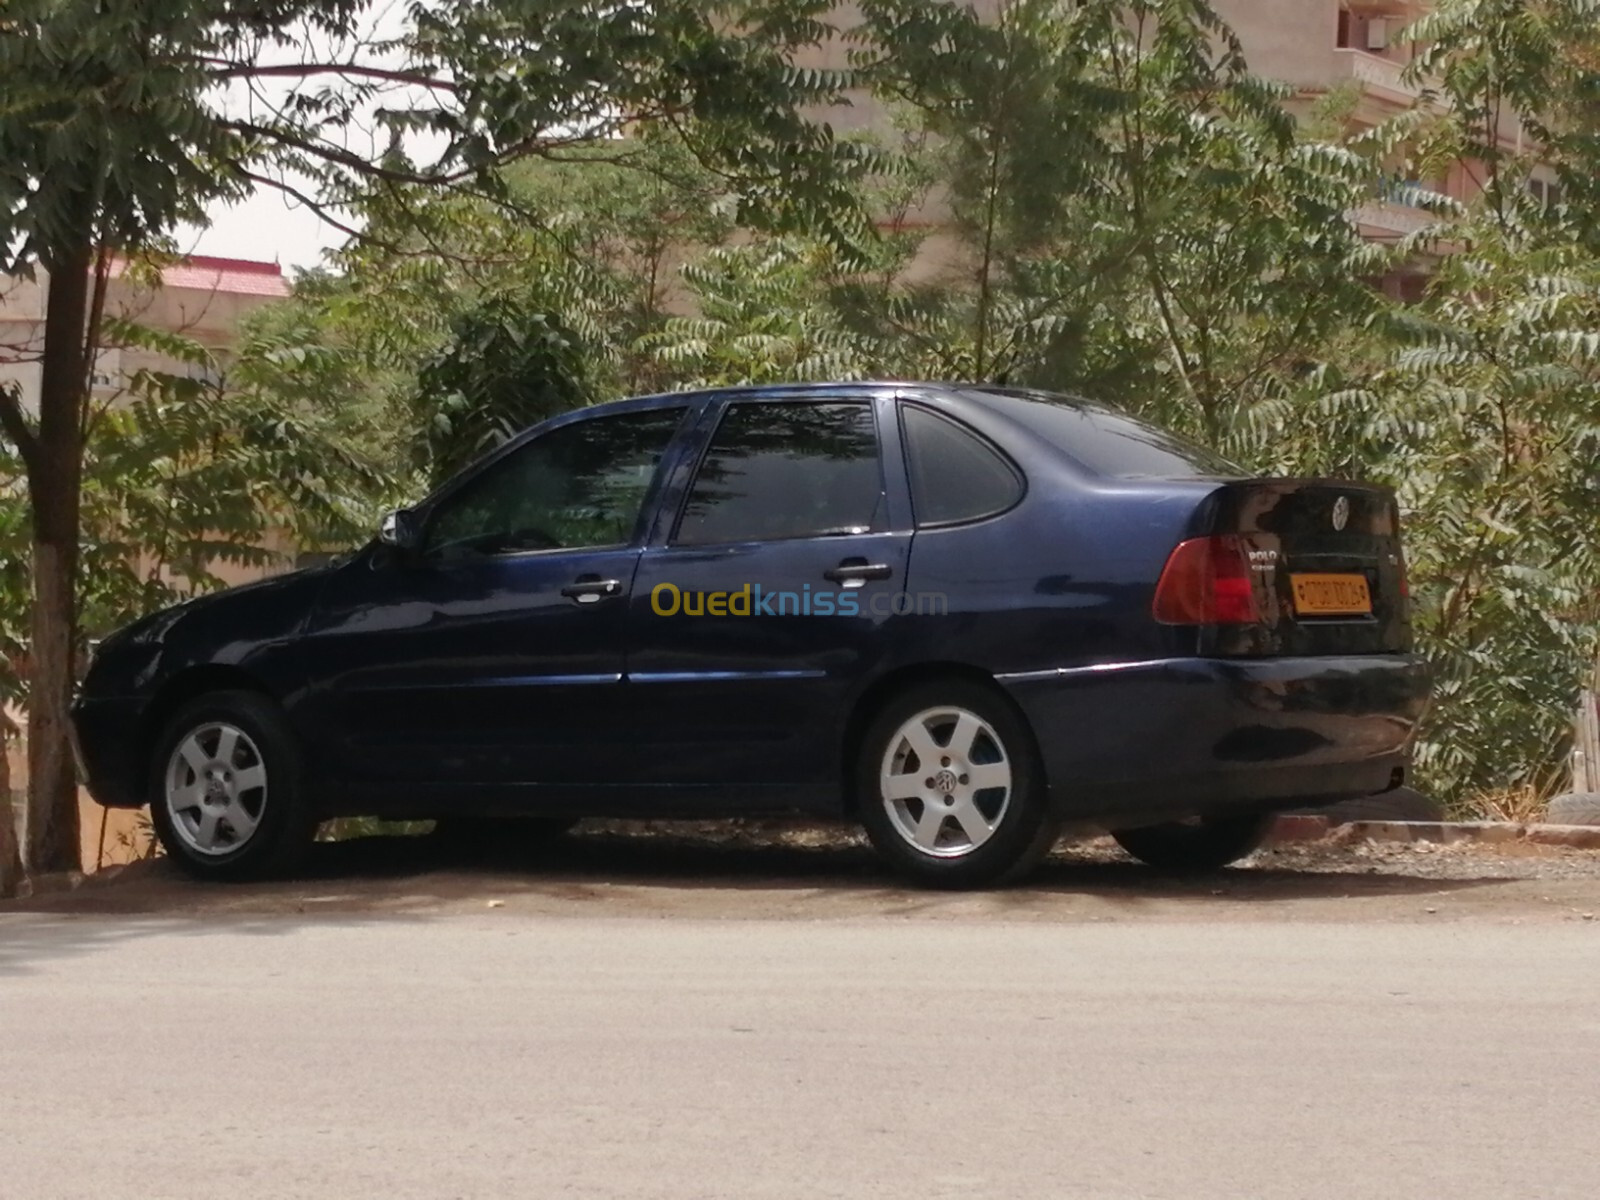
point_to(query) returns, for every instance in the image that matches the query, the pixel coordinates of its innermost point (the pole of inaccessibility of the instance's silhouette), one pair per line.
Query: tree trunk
(55, 476)
(10, 863)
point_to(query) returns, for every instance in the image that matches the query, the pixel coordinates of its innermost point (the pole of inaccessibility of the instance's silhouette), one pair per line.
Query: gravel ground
(1426, 860)
(764, 869)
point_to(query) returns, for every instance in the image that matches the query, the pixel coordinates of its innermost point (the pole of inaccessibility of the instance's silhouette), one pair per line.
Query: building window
(1546, 191)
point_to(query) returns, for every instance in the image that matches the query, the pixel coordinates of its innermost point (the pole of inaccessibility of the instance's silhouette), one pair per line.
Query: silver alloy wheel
(945, 782)
(216, 788)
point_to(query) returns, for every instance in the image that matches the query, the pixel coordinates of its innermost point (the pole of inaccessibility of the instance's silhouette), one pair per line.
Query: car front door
(491, 654)
(762, 602)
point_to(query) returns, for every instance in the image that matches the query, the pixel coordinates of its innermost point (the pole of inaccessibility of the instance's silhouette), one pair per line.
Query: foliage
(14, 579)
(189, 475)
(1136, 215)
(113, 126)
(760, 317)
(506, 367)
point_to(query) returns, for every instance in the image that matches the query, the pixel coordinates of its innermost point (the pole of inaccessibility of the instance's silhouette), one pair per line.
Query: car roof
(962, 393)
(767, 391)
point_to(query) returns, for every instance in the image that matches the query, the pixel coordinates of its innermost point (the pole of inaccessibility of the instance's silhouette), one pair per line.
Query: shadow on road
(697, 857)
(718, 871)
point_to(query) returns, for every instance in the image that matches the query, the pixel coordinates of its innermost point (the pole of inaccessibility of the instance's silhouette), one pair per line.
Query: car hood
(287, 595)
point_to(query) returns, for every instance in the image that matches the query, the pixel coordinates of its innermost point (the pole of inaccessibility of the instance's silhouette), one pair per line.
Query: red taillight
(1207, 582)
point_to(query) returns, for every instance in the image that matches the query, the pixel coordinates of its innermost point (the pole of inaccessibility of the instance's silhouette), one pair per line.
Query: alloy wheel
(945, 782)
(216, 788)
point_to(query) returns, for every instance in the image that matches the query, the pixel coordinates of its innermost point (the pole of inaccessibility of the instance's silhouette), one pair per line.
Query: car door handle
(589, 588)
(853, 572)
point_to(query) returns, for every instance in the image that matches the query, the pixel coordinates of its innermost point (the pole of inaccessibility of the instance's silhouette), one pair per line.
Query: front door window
(578, 487)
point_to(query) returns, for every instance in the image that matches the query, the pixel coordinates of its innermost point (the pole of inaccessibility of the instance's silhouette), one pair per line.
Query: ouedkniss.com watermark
(753, 600)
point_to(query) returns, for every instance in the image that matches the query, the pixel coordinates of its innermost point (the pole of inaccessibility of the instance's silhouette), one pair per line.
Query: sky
(268, 227)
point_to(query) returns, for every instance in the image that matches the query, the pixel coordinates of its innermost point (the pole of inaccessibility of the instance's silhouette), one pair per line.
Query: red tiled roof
(231, 276)
(238, 276)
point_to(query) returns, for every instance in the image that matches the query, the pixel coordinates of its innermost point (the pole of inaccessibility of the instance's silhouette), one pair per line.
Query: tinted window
(1109, 443)
(580, 485)
(786, 471)
(954, 476)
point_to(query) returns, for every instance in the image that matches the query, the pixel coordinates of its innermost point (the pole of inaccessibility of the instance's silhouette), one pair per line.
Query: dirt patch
(770, 869)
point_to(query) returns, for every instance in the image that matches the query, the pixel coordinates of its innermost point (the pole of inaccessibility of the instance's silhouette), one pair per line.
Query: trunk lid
(1326, 564)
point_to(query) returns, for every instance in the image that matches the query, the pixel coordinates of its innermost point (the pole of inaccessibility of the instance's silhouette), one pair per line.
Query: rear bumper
(105, 734)
(1174, 737)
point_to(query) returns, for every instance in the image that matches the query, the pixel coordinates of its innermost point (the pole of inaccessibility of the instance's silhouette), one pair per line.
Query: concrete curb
(1293, 827)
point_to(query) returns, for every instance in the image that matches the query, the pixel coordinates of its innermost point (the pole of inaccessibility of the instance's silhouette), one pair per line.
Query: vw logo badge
(1341, 512)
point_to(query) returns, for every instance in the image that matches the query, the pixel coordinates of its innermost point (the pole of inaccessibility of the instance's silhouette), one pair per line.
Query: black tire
(1023, 828)
(1196, 846)
(1575, 808)
(1397, 804)
(286, 821)
(478, 836)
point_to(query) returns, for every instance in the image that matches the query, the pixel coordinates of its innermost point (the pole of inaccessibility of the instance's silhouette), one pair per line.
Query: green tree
(506, 367)
(115, 126)
(1137, 215)
(762, 316)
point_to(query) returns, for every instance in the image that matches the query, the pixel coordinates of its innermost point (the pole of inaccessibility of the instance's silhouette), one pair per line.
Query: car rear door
(763, 599)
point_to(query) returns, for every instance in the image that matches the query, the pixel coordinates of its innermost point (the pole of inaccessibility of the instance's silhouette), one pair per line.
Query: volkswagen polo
(962, 616)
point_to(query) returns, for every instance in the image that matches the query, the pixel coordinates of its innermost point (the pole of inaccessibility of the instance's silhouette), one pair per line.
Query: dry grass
(1525, 805)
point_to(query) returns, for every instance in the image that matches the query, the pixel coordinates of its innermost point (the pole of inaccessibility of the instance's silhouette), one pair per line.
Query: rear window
(1109, 443)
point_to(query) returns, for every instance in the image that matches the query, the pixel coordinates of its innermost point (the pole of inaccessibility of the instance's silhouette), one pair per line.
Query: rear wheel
(1203, 844)
(950, 787)
(226, 795)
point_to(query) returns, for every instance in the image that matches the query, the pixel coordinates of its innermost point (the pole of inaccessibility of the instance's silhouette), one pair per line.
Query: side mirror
(399, 529)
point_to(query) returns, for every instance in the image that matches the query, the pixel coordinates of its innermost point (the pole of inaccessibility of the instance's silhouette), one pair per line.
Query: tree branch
(236, 70)
(344, 158)
(536, 144)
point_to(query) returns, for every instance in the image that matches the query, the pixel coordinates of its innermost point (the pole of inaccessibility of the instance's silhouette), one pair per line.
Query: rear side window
(776, 471)
(954, 475)
(1109, 443)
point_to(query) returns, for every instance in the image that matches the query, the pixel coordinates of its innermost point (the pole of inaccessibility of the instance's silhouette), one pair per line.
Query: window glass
(578, 486)
(786, 471)
(954, 475)
(1107, 442)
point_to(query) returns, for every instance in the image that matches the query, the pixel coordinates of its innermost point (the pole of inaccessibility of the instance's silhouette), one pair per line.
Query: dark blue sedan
(964, 616)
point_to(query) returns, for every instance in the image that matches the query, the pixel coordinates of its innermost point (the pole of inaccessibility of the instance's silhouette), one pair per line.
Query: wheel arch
(187, 685)
(881, 690)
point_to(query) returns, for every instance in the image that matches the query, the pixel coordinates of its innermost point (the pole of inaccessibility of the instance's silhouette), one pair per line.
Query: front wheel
(226, 795)
(950, 787)
(1204, 844)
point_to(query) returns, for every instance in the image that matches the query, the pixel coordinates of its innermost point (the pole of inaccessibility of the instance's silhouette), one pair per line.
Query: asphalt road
(508, 1054)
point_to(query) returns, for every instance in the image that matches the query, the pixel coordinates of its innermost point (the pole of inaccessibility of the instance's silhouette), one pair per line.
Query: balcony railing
(1379, 74)
(1388, 217)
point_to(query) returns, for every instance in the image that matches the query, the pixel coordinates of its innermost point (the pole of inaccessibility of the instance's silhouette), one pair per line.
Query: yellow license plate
(1331, 595)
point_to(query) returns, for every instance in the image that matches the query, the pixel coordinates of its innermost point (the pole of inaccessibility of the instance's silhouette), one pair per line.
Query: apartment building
(200, 297)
